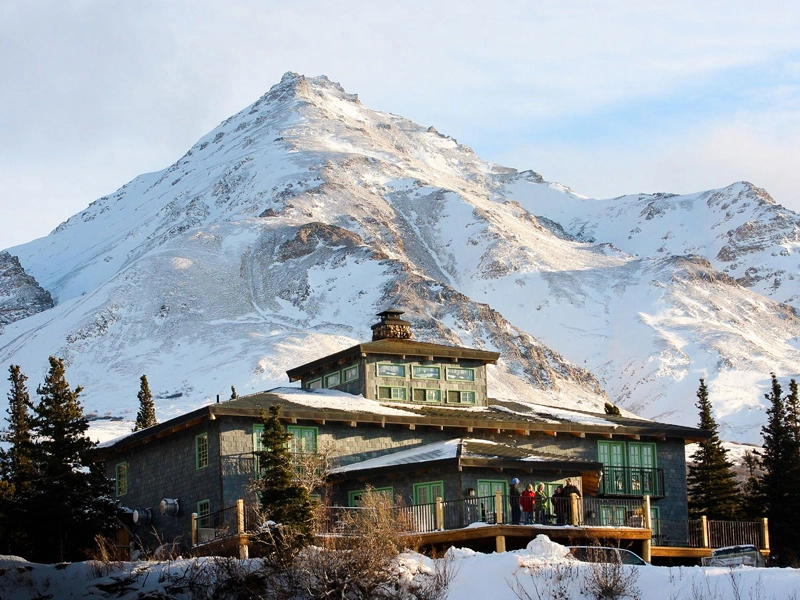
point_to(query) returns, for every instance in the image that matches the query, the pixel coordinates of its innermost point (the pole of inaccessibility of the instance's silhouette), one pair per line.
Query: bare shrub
(548, 582)
(611, 581)
(105, 557)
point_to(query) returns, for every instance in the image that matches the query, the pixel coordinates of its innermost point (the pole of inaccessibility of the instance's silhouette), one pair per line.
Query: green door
(486, 498)
(424, 511)
(642, 461)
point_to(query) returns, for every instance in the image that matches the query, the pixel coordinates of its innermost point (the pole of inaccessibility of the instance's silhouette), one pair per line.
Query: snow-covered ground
(543, 570)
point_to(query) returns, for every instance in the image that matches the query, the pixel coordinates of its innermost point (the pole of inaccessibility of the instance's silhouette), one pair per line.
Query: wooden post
(500, 543)
(765, 533)
(194, 529)
(498, 510)
(244, 550)
(439, 514)
(647, 544)
(704, 531)
(573, 509)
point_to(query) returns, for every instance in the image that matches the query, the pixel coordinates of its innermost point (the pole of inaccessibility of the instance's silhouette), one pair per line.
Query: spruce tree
(146, 417)
(71, 496)
(778, 482)
(234, 395)
(710, 480)
(612, 409)
(17, 468)
(283, 499)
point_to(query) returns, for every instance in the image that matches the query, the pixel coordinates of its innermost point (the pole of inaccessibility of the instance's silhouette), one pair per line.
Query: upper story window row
(429, 372)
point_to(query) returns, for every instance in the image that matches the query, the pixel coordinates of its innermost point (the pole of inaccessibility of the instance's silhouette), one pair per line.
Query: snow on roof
(426, 453)
(335, 400)
(552, 414)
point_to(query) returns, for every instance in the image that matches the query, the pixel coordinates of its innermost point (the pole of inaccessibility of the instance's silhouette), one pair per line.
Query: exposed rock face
(20, 295)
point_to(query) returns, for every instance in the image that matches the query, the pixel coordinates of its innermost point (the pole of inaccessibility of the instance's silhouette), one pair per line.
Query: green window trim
(390, 370)
(386, 392)
(203, 514)
(426, 372)
(314, 384)
(354, 496)
(333, 379)
(258, 446)
(427, 492)
(459, 374)
(350, 374)
(427, 395)
(461, 397)
(121, 483)
(304, 439)
(201, 451)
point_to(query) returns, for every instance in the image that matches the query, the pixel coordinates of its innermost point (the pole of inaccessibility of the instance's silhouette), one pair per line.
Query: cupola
(391, 326)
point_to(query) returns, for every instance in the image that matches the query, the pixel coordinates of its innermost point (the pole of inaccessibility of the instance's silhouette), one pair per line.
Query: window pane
(351, 373)
(391, 370)
(332, 380)
(315, 384)
(425, 372)
(455, 374)
(201, 450)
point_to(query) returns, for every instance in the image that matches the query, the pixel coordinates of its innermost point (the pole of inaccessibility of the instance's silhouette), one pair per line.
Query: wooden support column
(500, 543)
(765, 533)
(703, 531)
(573, 508)
(244, 550)
(439, 514)
(647, 544)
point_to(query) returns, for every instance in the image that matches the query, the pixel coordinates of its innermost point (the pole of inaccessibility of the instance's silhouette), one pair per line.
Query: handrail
(631, 481)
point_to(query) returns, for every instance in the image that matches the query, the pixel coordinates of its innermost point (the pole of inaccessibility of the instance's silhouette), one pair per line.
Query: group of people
(534, 506)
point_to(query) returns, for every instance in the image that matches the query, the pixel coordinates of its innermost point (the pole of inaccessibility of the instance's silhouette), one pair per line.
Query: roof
(332, 406)
(396, 347)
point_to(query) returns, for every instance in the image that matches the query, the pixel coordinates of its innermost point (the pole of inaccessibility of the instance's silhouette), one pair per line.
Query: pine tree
(283, 499)
(792, 403)
(780, 458)
(234, 395)
(612, 409)
(752, 495)
(71, 496)
(710, 480)
(146, 417)
(17, 468)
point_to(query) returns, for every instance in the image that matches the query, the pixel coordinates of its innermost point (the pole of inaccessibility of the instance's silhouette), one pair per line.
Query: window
(204, 514)
(314, 384)
(387, 370)
(454, 374)
(427, 395)
(201, 451)
(355, 497)
(392, 393)
(122, 479)
(304, 439)
(333, 379)
(426, 493)
(456, 397)
(419, 372)
(629, 469)
(350, 374)
(258, 446)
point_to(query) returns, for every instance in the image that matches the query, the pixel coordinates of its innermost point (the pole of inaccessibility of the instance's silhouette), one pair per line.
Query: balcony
(631, 482)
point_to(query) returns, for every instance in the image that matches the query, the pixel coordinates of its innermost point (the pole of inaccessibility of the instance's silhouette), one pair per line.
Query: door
(486, 497)
(612, 455)
(642, 460)
(425, 495)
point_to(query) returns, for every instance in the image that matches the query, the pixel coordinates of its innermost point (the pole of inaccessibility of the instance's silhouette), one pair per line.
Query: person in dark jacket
(568, 490)
(513, 498)
(527, 501)
(559, 506)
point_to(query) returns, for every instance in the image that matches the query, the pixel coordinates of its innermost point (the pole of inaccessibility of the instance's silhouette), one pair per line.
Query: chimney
(391, 326)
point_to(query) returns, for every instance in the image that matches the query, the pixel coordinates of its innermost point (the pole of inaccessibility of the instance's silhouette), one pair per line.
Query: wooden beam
(579, 434)
(633, 436)
(353, 423)
(319, 421)
(553, 433)
(412, 426)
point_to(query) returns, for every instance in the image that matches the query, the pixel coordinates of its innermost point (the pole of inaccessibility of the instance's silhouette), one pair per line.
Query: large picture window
(457, 374)
(425, 372)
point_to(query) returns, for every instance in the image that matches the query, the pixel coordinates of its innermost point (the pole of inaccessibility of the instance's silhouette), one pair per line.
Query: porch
(483, 523)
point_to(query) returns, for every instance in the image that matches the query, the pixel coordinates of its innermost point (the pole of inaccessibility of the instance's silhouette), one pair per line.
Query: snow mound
(543, 549)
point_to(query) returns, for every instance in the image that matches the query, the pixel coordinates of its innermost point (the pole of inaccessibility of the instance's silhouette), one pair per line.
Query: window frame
(394, 365)
(121, 478)
(449, 377)
(204, 514)
(310, 384)
(345, 378)
(294, 429)
(429, 486)
(426, 392)
(460, 397)
(416, 368)
(329, 376)
(258, 446)
(201, 455)
(392, 389)
(352, 494)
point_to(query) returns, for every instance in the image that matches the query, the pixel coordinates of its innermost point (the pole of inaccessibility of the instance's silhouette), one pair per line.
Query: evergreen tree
(17, 469)
(71, 496)
(283, 499)
(792, 403)
(612, 409)
(146, 417)
(780, 458)
(234, 395)
(711, 482)
(752, 495)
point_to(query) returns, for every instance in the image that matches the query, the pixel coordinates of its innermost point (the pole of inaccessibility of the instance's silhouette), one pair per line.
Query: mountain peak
(310, 89)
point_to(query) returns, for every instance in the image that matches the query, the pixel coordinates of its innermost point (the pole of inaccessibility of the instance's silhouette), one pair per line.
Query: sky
(608, 98)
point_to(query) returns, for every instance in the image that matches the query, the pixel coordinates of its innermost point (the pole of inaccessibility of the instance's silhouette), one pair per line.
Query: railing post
(244, 549)
(500, 543)
(194, 529)
(439, 514)
(648, 543)
(703, 531)
(573, 509)
(498, 508)
(765, 533)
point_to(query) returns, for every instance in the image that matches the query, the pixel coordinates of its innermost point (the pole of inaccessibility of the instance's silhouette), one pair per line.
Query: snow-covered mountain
(278, 236)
